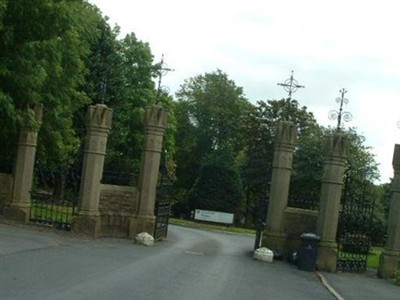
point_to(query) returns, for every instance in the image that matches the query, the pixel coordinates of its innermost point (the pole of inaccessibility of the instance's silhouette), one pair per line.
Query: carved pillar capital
(155, 120)
(337, 146)
(396, 158)
(99, 117)
(286, 135)
(396, 168)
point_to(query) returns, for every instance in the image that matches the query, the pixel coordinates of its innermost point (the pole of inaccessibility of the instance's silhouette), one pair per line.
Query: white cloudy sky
(353, 44)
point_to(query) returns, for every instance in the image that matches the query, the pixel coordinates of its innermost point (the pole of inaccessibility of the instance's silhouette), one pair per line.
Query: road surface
(190, 264)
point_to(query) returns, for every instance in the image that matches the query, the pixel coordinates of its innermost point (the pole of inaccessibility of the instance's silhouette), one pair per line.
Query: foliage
(215, 107)
(218, 186)
(209, 113)
(397, 277)
(256, 165)
(64, 55)
(42, 48)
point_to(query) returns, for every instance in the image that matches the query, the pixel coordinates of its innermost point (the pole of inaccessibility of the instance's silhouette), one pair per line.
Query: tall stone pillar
(98, 125)
(390, 257)
(155, 126)
(20, 205)
(331, 193)
(285, 141)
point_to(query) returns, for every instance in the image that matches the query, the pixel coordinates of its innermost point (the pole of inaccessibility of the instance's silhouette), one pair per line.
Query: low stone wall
(117, 205)
(298, 221)
(6, 182)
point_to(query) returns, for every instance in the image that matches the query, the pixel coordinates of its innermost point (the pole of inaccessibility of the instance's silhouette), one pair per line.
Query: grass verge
(373, 257)
(212, 226)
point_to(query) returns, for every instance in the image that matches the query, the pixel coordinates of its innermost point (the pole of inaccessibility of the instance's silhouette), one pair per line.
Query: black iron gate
(54, 196)
(163, 202)
(355, 226)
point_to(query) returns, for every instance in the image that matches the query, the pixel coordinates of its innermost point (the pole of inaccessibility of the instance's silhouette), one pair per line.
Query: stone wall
(6, 182)
(117, 204)
(296, 222)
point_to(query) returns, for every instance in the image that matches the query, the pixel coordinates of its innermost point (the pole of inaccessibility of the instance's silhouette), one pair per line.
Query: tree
(218, 186)
(256, 166)
(132, 94)
(42, 49)
(209, 112)
(215, 106)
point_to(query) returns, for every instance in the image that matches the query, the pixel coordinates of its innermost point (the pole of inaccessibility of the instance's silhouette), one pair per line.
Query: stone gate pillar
(331, 193)
(285, 141)
(390, 257)
(98, 125)
(155, 126)
(20, 205)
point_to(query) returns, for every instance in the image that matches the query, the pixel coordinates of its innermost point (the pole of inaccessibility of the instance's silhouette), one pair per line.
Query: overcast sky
(330, 45)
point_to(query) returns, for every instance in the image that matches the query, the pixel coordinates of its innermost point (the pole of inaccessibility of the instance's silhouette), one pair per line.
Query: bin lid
(310, 236)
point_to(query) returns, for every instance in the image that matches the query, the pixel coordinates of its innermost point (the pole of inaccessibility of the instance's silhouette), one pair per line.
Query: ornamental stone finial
(99, 115)
(337, 145)
(396, 168)
(286, 133)
(396, 158)
(156, 116)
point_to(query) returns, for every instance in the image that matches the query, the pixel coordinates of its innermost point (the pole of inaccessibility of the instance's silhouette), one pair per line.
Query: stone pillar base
(87, 224)
(388, 262)
(140, 224)
(18, 213)
(275, 241)
(327, 256)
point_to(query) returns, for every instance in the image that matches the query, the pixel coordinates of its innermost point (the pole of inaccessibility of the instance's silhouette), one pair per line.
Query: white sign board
(213, 216)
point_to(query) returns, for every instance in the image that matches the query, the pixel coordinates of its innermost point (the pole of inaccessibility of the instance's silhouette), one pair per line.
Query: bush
(397, 277)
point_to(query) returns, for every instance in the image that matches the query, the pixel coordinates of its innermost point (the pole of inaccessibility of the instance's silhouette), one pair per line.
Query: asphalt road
(190, 264)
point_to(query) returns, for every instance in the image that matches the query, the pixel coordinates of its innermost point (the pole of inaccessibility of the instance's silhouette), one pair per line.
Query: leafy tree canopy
(218, 186)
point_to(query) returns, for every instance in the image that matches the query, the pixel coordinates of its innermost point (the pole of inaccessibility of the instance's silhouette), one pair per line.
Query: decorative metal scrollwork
(341, 115)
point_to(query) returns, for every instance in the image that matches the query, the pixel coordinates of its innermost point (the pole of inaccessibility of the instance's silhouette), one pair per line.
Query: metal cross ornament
(341, 115)
(163, 69)
(291, 85)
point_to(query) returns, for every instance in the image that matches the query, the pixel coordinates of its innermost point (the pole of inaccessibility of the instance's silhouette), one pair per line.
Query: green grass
(211, 226)
(373, 257)
(56, 213)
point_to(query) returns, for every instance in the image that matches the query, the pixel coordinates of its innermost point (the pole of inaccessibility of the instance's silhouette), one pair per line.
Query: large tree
(218, 186)
(256, 159)
(209, 111)
(43, 44)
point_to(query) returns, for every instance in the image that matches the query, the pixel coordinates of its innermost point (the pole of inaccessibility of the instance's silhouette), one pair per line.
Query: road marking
(329, 287)
(194, 253)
